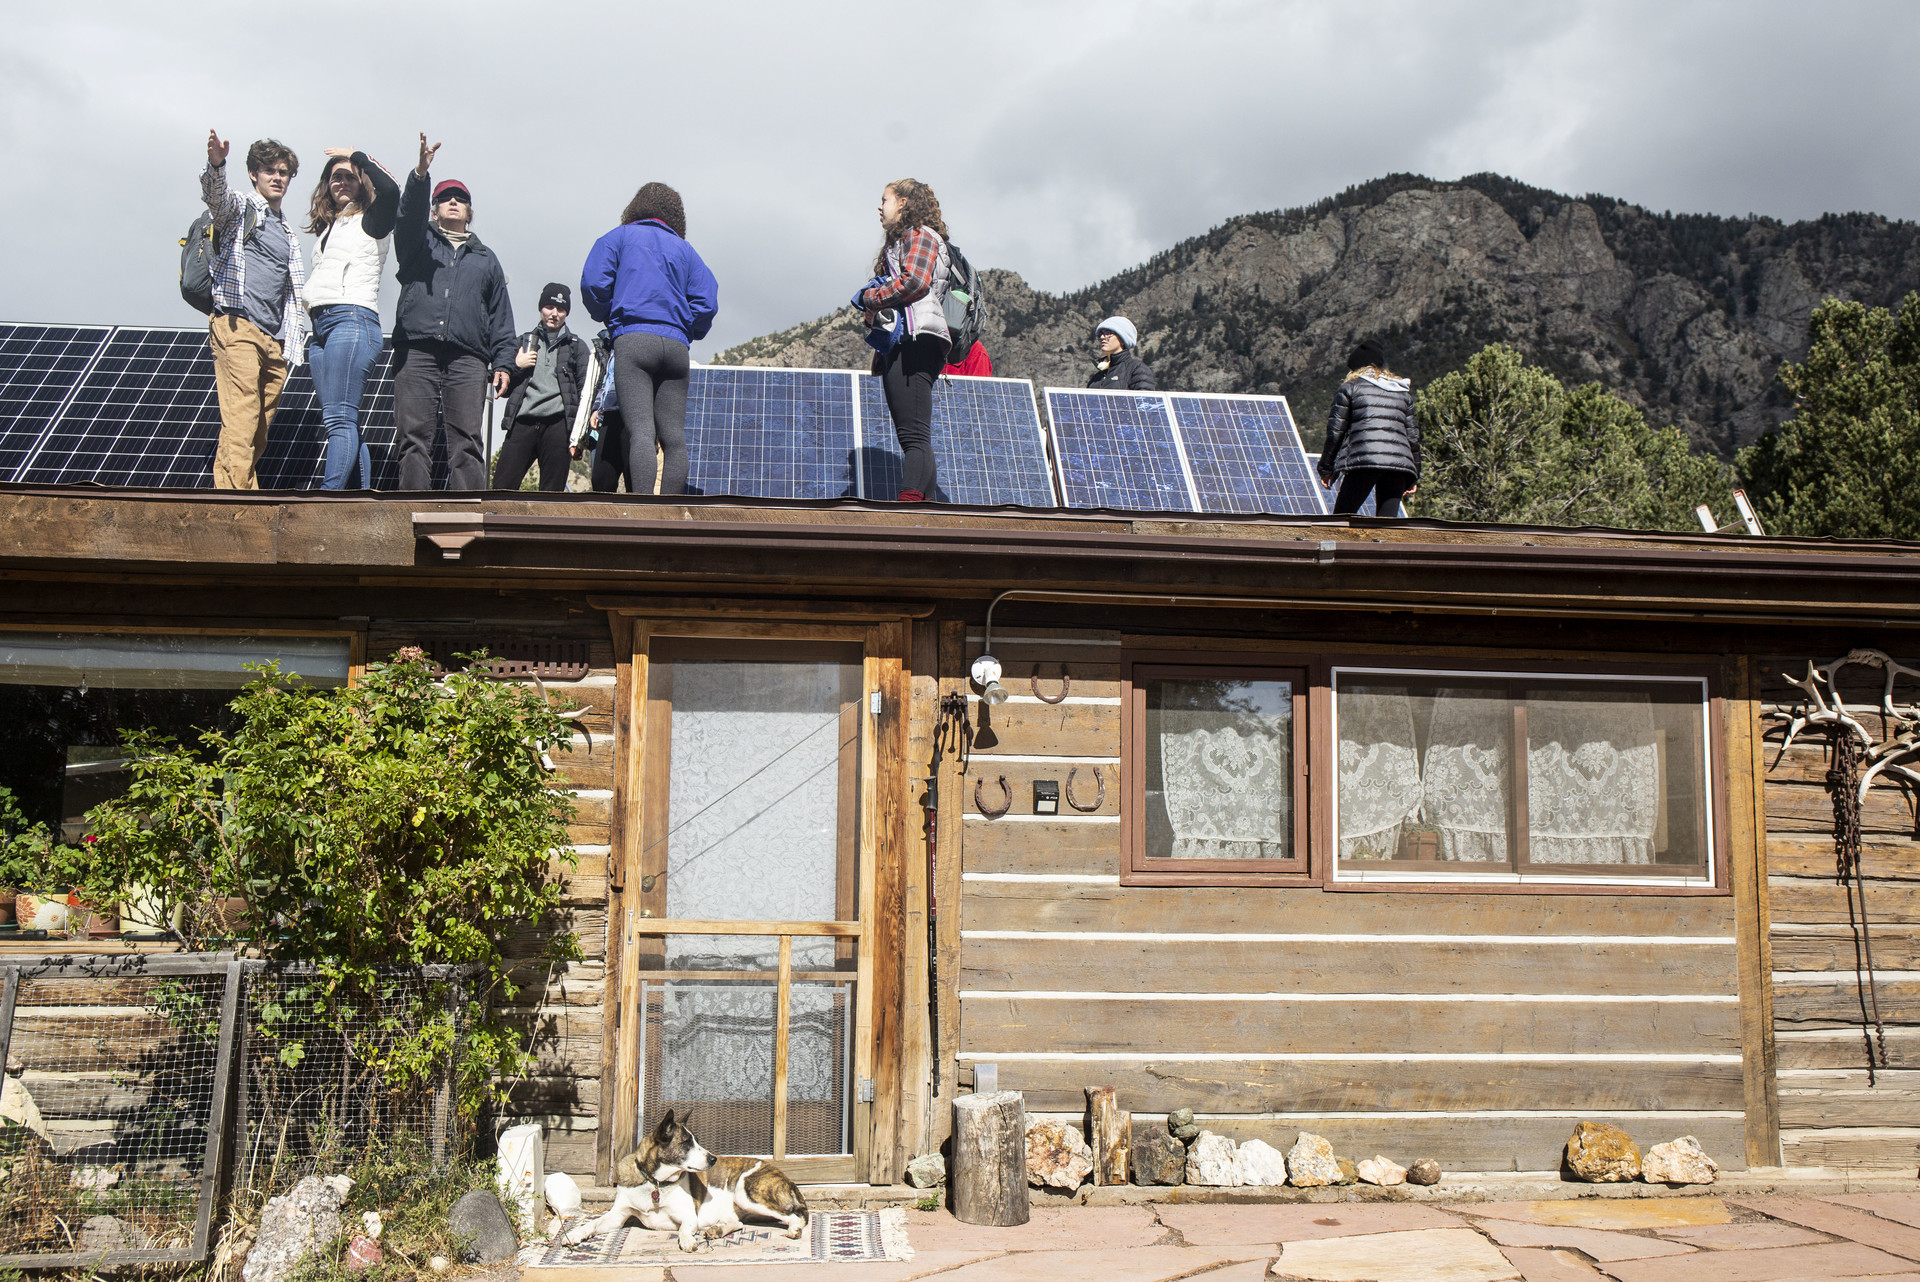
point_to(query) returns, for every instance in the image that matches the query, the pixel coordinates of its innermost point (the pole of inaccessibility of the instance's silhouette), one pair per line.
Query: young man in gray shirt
(259, 327)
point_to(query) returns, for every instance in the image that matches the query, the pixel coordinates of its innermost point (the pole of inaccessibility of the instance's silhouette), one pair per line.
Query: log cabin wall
(1833, 1110)
(1472, 1028)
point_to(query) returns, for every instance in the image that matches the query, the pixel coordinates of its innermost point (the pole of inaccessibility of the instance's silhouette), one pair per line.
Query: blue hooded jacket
(642, 277)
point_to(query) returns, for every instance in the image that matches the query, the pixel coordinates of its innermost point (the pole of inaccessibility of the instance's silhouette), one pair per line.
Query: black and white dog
(670, 1183)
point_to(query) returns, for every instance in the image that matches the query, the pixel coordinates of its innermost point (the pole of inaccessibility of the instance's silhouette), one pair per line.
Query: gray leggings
(650, 377)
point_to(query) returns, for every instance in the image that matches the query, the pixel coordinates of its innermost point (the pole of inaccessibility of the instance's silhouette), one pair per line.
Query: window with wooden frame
(1543, 777)
(1215, 759)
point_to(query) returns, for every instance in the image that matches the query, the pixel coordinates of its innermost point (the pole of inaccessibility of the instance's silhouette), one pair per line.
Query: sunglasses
(460, 196)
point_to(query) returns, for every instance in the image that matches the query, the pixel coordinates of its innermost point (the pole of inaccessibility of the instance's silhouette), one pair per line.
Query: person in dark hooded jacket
(1119, 369)
(1373, 436)
(452, 334)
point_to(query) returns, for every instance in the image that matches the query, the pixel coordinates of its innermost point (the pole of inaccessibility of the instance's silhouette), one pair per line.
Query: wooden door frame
(884, 639)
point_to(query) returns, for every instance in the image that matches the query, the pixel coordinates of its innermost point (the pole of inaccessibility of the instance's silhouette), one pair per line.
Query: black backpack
(197, 249)
(966, 309)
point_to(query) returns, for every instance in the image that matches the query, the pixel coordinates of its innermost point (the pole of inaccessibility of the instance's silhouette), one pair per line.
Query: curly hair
(657, 200)
(919, 207)
(271, 151)
(324, 209)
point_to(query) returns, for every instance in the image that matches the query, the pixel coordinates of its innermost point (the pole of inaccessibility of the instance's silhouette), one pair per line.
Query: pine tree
(1504, 441)
(1847, 464)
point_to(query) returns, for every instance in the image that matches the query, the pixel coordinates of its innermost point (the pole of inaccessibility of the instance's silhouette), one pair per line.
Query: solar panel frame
(40, 368)
(1222, 435)
(727, 424)
(996, 455)
(142, 380)
(1153, 467)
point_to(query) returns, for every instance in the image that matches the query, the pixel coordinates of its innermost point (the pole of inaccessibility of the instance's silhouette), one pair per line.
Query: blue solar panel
(1118, 450)
(1244, 455)
(147, 414)
(40, 365)
(771, 433)
(987, 445)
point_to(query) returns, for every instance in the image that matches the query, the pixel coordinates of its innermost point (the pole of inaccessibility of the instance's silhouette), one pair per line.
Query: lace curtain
(1379, 771)
(1225, 755)
(1593, 788)
(1467, 773)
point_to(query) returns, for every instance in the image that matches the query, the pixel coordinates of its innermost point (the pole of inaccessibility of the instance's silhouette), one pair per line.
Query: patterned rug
(837, 1237)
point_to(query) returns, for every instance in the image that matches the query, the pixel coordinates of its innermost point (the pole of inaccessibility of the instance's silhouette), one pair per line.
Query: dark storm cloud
(1083, 140)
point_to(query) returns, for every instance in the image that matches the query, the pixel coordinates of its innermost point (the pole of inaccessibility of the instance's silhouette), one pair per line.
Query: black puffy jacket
(448, 295)
(1371, 425)
(569, 367)
(1126, 372)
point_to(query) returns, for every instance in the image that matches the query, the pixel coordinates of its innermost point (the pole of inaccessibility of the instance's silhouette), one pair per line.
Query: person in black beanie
(1373, 436)
(545, 388)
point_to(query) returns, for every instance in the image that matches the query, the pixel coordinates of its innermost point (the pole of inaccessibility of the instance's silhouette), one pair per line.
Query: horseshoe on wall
(1099, 795)
(982, 806)
(1066, 684)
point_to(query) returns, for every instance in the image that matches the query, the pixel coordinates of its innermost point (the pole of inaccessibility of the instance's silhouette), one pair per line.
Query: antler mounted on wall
(1896, 754)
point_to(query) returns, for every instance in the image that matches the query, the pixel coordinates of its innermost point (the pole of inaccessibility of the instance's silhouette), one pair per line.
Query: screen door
(751, 779)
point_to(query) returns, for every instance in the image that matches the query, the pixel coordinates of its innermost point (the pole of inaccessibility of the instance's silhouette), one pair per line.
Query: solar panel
(40, 365)
(988, 448)
(1182, 451)
(1118, 450)
(147, 414)
(1244, 455)
(1326, 496)
(771, 433)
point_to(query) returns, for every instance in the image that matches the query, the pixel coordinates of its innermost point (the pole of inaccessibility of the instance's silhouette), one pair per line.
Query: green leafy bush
(398, 822)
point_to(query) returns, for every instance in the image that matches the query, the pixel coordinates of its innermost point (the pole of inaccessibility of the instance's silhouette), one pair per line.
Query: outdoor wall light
(986, 675)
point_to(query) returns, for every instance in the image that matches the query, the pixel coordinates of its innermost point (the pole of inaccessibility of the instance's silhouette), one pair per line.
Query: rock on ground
(363, 1253)
(1210, 1161)
(1058, 1156)
(1382, 1171)
(1349, 1173)
(1680, 1161)
(109, 1233)
(929, 1170)
(1258, 1164)
(481, 1224)
(1311, 1163)
(1425, 1172)
(292, 1224)
(1158, 1158)
(1602, 1154)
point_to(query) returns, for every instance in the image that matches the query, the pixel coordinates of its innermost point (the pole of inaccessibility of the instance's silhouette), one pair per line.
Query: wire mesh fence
(113, 1106)
(328, 1071)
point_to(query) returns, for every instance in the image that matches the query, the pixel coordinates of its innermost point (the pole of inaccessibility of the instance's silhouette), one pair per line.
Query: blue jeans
(345, 344)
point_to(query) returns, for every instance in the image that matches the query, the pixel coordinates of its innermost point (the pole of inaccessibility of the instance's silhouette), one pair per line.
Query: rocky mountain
(1686, 315)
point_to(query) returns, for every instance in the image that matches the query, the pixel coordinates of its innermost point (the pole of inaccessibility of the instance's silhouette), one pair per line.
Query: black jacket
(1371, 426)
(1126, 372)
(448, 295)
(569, 366)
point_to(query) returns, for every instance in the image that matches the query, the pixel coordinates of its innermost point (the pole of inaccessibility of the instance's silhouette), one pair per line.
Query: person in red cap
(453, 332)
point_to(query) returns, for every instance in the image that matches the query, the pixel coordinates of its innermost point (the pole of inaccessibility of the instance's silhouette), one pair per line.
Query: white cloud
(1066, 141)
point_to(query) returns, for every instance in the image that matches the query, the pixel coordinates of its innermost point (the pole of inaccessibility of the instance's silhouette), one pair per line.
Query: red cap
(450, 184)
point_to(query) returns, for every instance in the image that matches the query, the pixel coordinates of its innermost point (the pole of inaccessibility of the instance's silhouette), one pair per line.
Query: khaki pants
(248, 372)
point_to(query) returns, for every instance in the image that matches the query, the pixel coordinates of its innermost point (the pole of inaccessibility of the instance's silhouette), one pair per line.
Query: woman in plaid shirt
(910, 278)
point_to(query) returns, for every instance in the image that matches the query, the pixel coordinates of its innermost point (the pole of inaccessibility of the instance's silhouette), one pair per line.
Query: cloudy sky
(1066, 142)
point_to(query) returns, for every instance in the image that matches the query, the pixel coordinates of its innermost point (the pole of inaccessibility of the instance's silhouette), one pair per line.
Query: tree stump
(1109, 1133)
(989, 1179)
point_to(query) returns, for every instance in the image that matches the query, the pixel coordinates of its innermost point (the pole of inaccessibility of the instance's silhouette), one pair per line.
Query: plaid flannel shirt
(229, 266)
(919, 254)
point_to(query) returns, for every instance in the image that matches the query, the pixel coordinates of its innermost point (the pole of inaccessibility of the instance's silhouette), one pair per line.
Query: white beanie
(1121, 328)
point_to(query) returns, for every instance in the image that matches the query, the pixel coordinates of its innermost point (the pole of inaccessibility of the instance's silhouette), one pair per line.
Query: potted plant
(28, 870)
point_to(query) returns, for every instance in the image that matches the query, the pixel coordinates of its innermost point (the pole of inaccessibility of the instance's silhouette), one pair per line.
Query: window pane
(1614, 776)
(1219, 767)
(1424, 772)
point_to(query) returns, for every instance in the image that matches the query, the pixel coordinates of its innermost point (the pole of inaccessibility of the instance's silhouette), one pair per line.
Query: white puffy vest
(347, 268)
(928, 314)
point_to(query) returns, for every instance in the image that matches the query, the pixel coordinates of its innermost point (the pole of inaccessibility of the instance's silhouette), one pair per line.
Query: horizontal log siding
(1829, 1114)
(1473, 1029)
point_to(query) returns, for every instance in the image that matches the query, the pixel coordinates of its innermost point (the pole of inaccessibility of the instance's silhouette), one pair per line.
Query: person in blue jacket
(655, 296)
